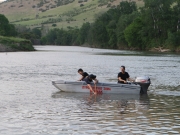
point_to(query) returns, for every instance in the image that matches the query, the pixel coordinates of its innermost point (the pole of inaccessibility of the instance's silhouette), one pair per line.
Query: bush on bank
(15, 44)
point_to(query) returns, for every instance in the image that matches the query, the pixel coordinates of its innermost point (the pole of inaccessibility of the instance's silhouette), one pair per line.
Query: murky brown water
(29, 104)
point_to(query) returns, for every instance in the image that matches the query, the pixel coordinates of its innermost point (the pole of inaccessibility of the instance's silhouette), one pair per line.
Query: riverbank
(12, 44)
(159, 49)
(154, 49)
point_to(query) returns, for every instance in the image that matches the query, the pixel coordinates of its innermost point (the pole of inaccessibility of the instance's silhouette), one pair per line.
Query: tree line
(6, 29)
(10, 30)
(155, 24)
(9, 40)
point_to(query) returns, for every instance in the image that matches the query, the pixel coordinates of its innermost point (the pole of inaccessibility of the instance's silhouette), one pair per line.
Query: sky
(2, 0)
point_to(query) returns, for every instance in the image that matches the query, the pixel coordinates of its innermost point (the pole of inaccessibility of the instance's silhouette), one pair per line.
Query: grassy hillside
(15, 44)
(63, 13)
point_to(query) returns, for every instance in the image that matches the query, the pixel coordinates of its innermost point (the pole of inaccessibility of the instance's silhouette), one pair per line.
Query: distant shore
(154, 49)
(12, 44)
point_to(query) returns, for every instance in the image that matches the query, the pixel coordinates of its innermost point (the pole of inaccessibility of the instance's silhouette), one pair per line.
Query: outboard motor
(144, 82)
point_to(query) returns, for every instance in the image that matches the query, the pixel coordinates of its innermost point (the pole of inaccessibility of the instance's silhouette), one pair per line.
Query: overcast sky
(2, 0)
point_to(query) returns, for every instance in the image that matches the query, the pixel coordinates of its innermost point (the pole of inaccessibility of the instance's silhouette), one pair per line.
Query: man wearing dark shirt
(123, 76)
(83, 74)
(88, 80)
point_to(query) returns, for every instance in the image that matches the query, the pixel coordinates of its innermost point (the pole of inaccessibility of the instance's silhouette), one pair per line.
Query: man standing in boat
(83, 74)
(88, 80)
(123, 76)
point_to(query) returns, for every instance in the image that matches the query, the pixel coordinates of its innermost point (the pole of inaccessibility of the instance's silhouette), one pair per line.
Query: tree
(83, 33)
(112, 43)
(133, 34)
(6, 29)
(36, 32)
(123, 22)
(157, 14)
(100, 34)
(127, 7)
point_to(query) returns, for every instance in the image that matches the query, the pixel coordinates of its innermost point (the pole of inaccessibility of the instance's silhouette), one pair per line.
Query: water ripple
(31, 105)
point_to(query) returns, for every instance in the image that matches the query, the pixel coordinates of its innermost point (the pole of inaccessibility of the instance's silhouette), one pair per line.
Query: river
(30, 104)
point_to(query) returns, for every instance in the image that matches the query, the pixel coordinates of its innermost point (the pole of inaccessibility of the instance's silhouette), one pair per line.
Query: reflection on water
(109, 113)
(29, 104)
(122, 101)
(127, 115)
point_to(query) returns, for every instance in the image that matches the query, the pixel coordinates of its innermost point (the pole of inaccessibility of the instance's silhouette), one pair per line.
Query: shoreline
(154, 49)
(6, 48)
(136, 50)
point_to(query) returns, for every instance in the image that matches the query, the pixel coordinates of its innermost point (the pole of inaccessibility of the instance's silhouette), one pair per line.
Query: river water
(30, 104)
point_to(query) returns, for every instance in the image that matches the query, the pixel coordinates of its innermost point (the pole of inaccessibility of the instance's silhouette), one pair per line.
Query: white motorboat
(139, 86)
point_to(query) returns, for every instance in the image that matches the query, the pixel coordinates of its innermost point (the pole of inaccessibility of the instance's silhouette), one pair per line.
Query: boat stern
(144, 82)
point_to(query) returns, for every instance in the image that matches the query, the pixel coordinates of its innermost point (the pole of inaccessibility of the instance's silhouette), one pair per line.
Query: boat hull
(106, 88)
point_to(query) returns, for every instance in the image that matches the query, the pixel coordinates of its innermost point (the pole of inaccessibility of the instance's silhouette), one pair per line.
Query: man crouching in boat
(83, 74)
(88, 80)
(123, 76)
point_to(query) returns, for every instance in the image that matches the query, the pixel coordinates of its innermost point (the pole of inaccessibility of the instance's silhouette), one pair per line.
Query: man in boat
(83, 74)
(123, 76)
(88, 80)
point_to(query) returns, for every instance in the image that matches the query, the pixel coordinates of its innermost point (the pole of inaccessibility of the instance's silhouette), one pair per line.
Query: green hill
(61, 13)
